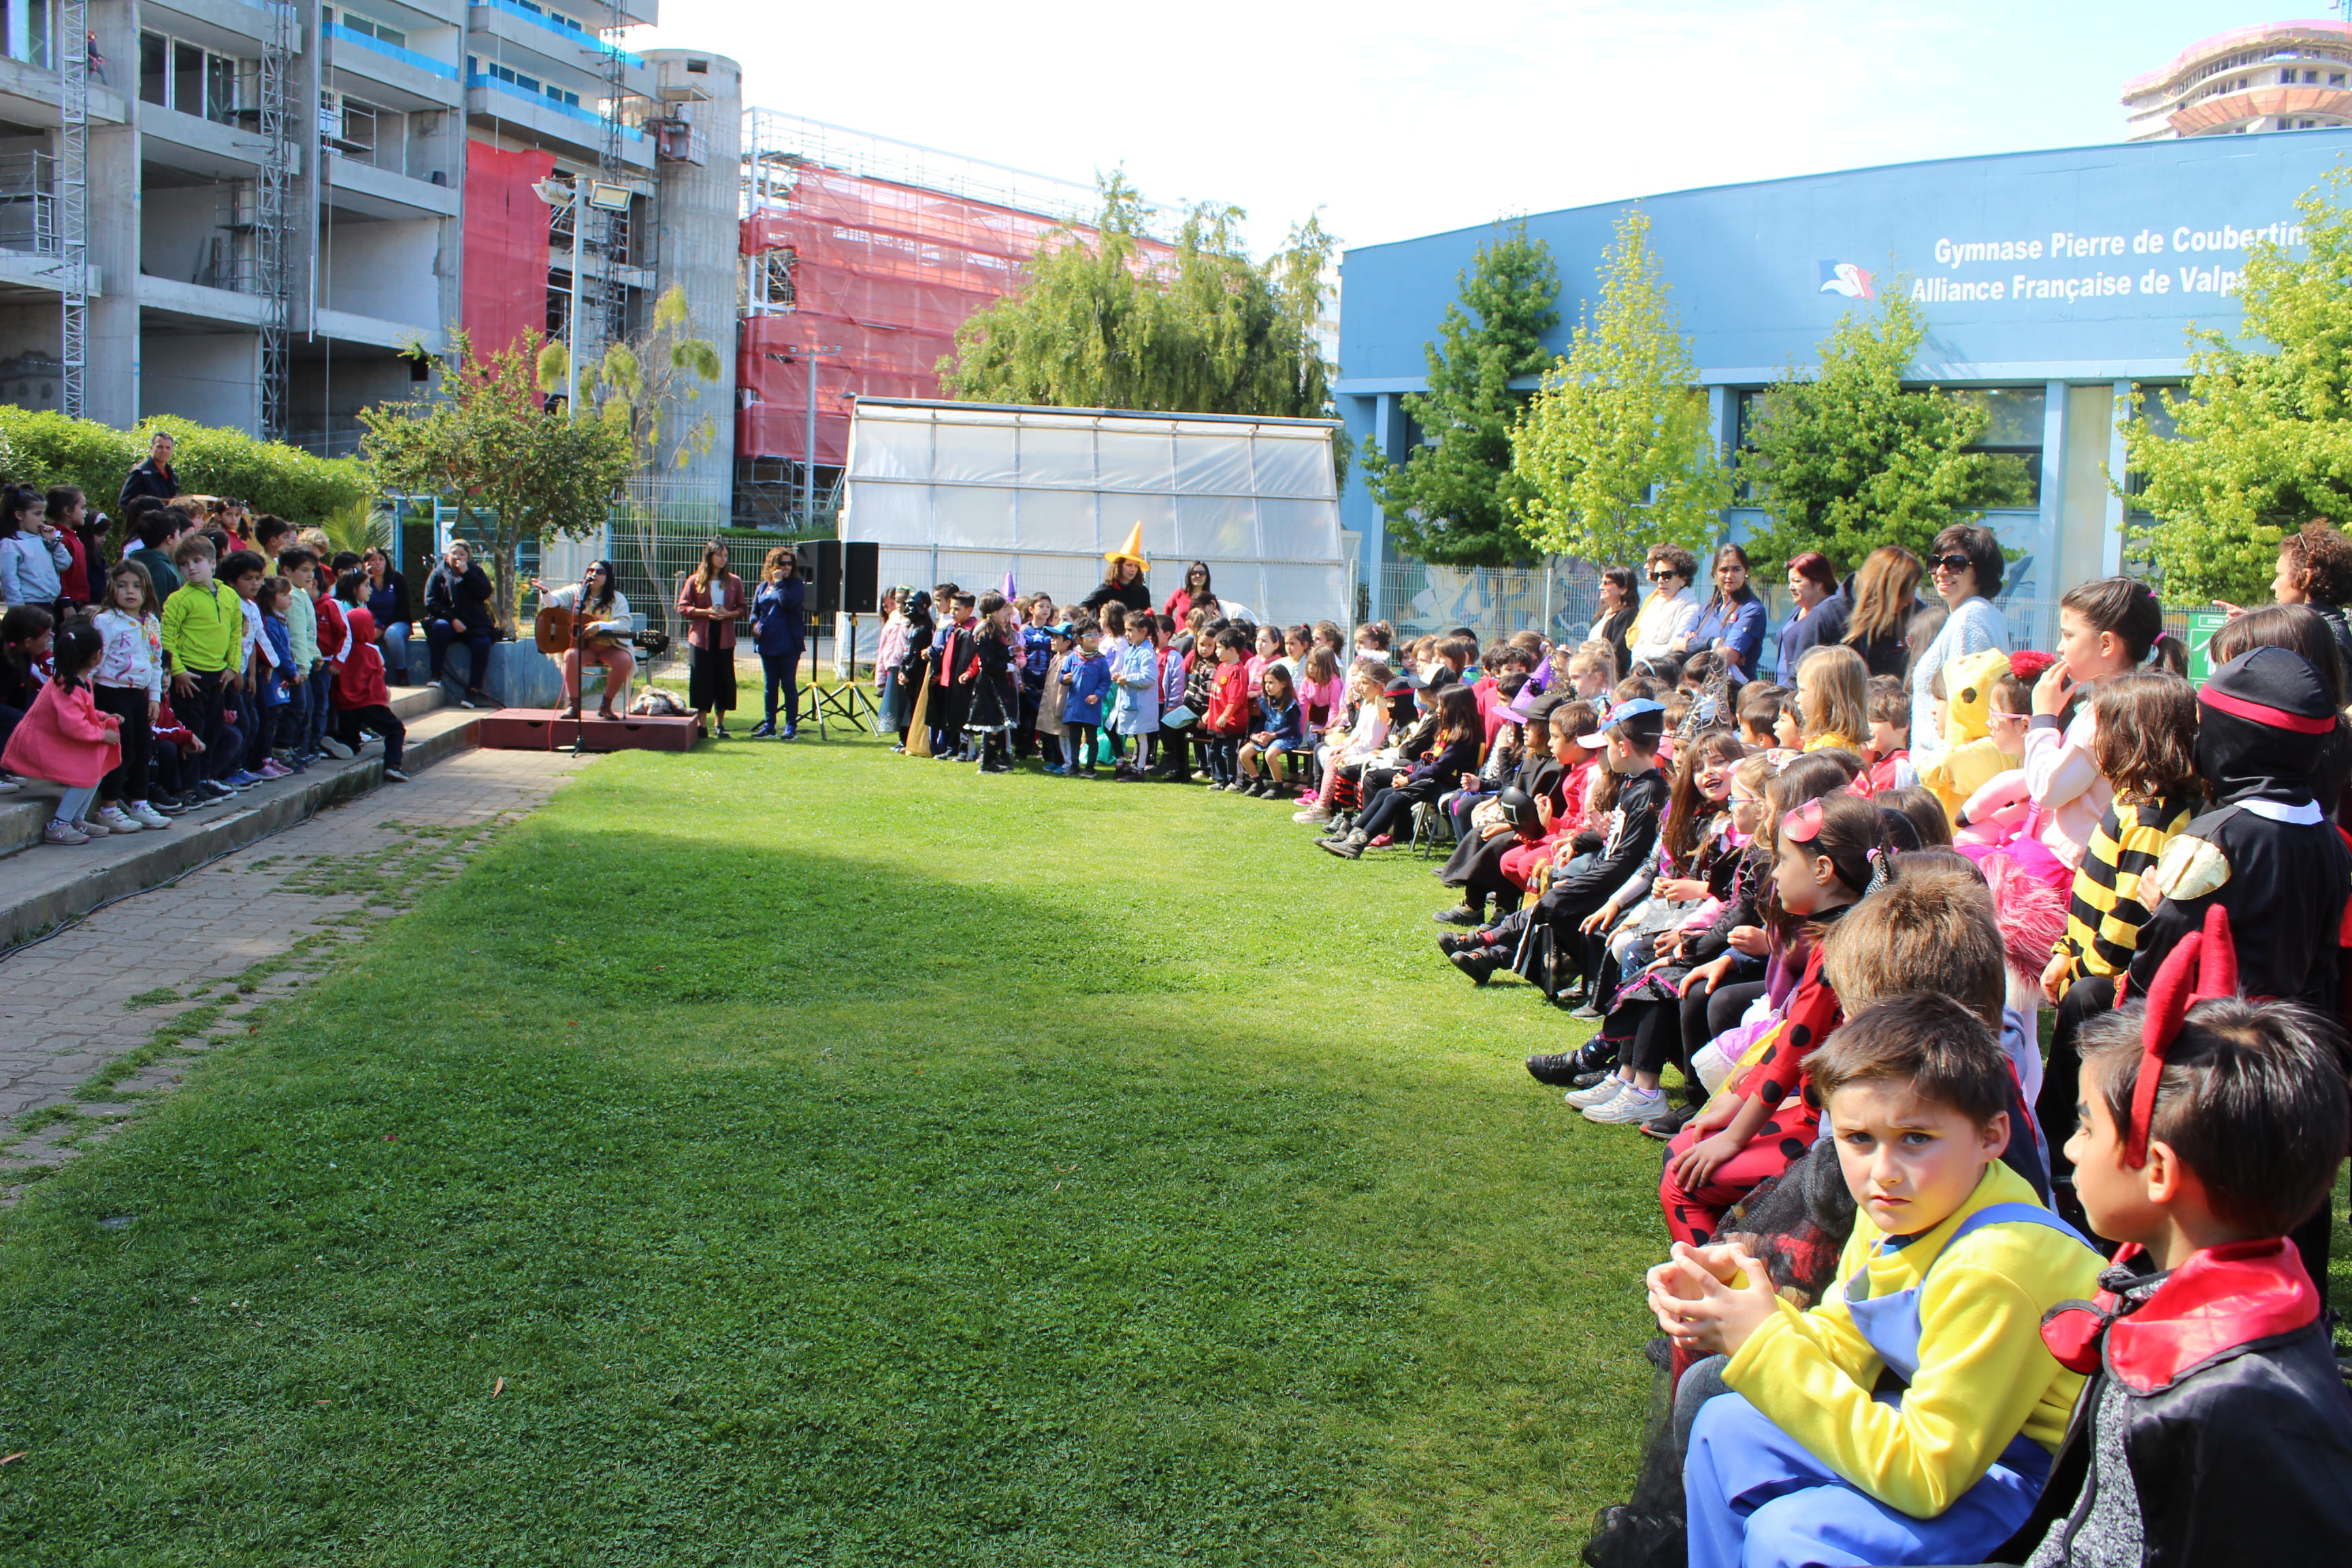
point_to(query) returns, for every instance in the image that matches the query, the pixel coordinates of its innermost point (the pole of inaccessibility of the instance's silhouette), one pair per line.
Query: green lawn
(844, 1159)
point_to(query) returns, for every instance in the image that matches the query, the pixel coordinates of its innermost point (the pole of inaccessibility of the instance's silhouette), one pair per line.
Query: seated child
(1890, 736)
(1283, 726)
(1834, 698)
(1761, 704)
(1986, 709)
(1911, 1416)
(2214, 1429)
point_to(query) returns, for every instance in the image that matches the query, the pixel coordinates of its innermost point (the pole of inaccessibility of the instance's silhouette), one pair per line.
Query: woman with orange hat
(1123, 581)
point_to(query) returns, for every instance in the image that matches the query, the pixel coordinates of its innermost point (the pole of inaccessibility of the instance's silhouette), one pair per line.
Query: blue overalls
(1757, 1497)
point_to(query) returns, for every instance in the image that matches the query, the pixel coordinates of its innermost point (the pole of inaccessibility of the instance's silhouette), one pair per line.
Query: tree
(1846, 459)
(510, 469)
(645, 389)
(1616, 451)
(1453, 500)
(1111, 319)
(2263, 438)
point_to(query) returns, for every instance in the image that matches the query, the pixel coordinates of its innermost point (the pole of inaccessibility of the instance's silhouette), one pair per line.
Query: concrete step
(41, 884)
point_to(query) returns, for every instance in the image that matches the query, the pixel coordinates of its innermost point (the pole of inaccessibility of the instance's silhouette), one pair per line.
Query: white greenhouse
(969, 492)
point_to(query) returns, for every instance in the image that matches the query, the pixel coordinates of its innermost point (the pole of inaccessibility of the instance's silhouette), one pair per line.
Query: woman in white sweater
(1965, 563)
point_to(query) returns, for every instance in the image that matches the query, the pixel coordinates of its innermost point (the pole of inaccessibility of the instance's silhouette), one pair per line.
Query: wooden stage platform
(547, 729)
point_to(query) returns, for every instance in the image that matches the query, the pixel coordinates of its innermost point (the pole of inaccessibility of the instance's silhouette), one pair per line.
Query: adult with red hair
(1812, 584)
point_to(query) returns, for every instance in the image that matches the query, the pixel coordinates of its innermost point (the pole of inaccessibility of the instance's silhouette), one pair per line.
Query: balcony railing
(569, 111)
(425, 63)
(29, 202)
(584, 40)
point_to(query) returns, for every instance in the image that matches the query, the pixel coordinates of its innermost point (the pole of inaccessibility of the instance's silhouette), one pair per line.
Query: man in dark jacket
(155, 477)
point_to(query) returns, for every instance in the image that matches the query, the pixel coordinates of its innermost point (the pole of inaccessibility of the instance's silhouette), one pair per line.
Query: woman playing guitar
(598, 629)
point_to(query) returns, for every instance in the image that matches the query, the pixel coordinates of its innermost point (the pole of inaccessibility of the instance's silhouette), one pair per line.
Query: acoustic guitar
(553, 629)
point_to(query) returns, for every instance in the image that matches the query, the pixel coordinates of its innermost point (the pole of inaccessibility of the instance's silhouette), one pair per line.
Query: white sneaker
(1600, 1093)
(58, 832)
(147, 815)
(1636, 1106)
(118, 820)
(335, 748)
(90, 827)
(8, 786)
(1312, 813)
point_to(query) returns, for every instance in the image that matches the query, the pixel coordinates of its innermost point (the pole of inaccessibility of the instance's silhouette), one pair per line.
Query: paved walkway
(108, 1013)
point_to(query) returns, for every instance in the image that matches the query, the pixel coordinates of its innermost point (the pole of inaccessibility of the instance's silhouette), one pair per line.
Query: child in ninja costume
(2264, 854)
(2214, 1429)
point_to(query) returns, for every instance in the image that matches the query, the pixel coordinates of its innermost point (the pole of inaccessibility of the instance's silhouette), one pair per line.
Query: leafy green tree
(2264, 439)
(1847, 458)
(1111, 319)
(1616, 451)
(1453, 499)
(511, 470)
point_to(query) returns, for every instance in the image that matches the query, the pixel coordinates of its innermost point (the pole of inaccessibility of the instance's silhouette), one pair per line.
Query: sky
(1396, 120)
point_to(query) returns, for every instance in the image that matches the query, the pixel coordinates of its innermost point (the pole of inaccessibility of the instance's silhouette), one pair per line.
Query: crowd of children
(1937, 1292)
(218, 654)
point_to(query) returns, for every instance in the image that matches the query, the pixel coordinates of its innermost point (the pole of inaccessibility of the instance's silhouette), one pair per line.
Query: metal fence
(1561, 599)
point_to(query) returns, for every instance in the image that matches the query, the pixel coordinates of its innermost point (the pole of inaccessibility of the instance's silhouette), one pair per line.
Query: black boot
(1480, 963)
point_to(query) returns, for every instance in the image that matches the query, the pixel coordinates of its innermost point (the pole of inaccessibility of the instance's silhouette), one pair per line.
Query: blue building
(2050, 283)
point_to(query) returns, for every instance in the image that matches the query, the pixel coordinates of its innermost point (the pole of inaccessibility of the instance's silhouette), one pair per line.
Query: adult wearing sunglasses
(1661, 631)
(1965, 565)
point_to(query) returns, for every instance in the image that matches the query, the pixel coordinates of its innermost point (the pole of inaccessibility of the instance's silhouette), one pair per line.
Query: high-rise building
(2275, 76)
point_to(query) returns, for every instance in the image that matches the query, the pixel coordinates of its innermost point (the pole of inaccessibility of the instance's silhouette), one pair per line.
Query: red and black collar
(2221, 1299)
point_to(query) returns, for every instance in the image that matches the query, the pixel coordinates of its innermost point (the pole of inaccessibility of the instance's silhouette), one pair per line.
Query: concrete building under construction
(861, 257)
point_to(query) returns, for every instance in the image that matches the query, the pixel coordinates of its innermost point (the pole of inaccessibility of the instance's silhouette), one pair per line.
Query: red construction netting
(504, 286)
(888, 272)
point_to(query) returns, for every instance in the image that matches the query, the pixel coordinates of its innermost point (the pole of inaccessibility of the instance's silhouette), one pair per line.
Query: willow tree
(1110, 317)
(1617, 450)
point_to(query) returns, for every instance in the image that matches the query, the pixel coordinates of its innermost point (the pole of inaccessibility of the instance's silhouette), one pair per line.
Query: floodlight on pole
(810, 352)
(558, 195)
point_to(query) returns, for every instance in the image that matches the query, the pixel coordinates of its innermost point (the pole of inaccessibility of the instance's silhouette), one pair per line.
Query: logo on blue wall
(1844, 277)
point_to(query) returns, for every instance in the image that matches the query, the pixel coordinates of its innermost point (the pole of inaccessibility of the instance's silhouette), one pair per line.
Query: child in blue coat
(1087, 679)
(1135, 671)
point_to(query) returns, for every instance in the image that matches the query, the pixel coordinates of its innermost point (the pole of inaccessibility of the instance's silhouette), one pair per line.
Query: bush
(41, 447)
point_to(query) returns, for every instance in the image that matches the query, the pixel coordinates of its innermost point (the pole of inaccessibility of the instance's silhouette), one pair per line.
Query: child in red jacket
(360, 696)
(1229, 707)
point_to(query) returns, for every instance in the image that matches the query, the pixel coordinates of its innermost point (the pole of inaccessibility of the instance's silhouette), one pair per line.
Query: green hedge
(43, 449)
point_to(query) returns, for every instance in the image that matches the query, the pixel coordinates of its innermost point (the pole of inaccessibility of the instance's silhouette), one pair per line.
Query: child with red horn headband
(2215, 1428)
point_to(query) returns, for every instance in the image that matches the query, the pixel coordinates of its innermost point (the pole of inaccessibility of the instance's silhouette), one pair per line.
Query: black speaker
(843, 578)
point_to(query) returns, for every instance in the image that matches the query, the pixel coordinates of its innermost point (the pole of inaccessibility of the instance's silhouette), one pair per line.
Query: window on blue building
(2012, 436)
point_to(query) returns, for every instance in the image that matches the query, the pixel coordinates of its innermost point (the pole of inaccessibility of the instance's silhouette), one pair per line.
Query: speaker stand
(851, 703)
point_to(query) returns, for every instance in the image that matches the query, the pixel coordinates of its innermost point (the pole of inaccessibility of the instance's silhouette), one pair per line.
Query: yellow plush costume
(1984, 1376)
(1971, 758)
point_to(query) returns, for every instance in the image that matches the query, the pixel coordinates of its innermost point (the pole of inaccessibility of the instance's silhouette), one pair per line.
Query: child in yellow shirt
(1986, 714)
(1911, 1416)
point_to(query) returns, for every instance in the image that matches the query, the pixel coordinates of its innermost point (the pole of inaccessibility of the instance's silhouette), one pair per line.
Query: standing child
(64, 738)
(129, 684)
(204, 635)
(1135, 713)
(995, 709)
(1058, 643)
(1950, 1267)
(283, 712)
(1037, 654)
(242, 571)
(360, 697)
(1086, 678)
(2214, 1429)
(1278, 708)
(2143, 739)
(953, 671)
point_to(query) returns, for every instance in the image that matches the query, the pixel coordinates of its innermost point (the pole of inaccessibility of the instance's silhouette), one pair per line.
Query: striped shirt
(2104, 917)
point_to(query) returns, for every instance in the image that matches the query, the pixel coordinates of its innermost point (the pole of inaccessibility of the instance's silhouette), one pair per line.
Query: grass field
(805, 1155)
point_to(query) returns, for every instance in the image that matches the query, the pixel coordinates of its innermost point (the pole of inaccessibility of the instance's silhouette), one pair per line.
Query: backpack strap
(2005, 1214)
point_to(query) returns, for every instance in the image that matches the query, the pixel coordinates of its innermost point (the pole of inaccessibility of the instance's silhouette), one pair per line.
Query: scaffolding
(605, 298)
(880, 246)
(276, 123)
(73, 199)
